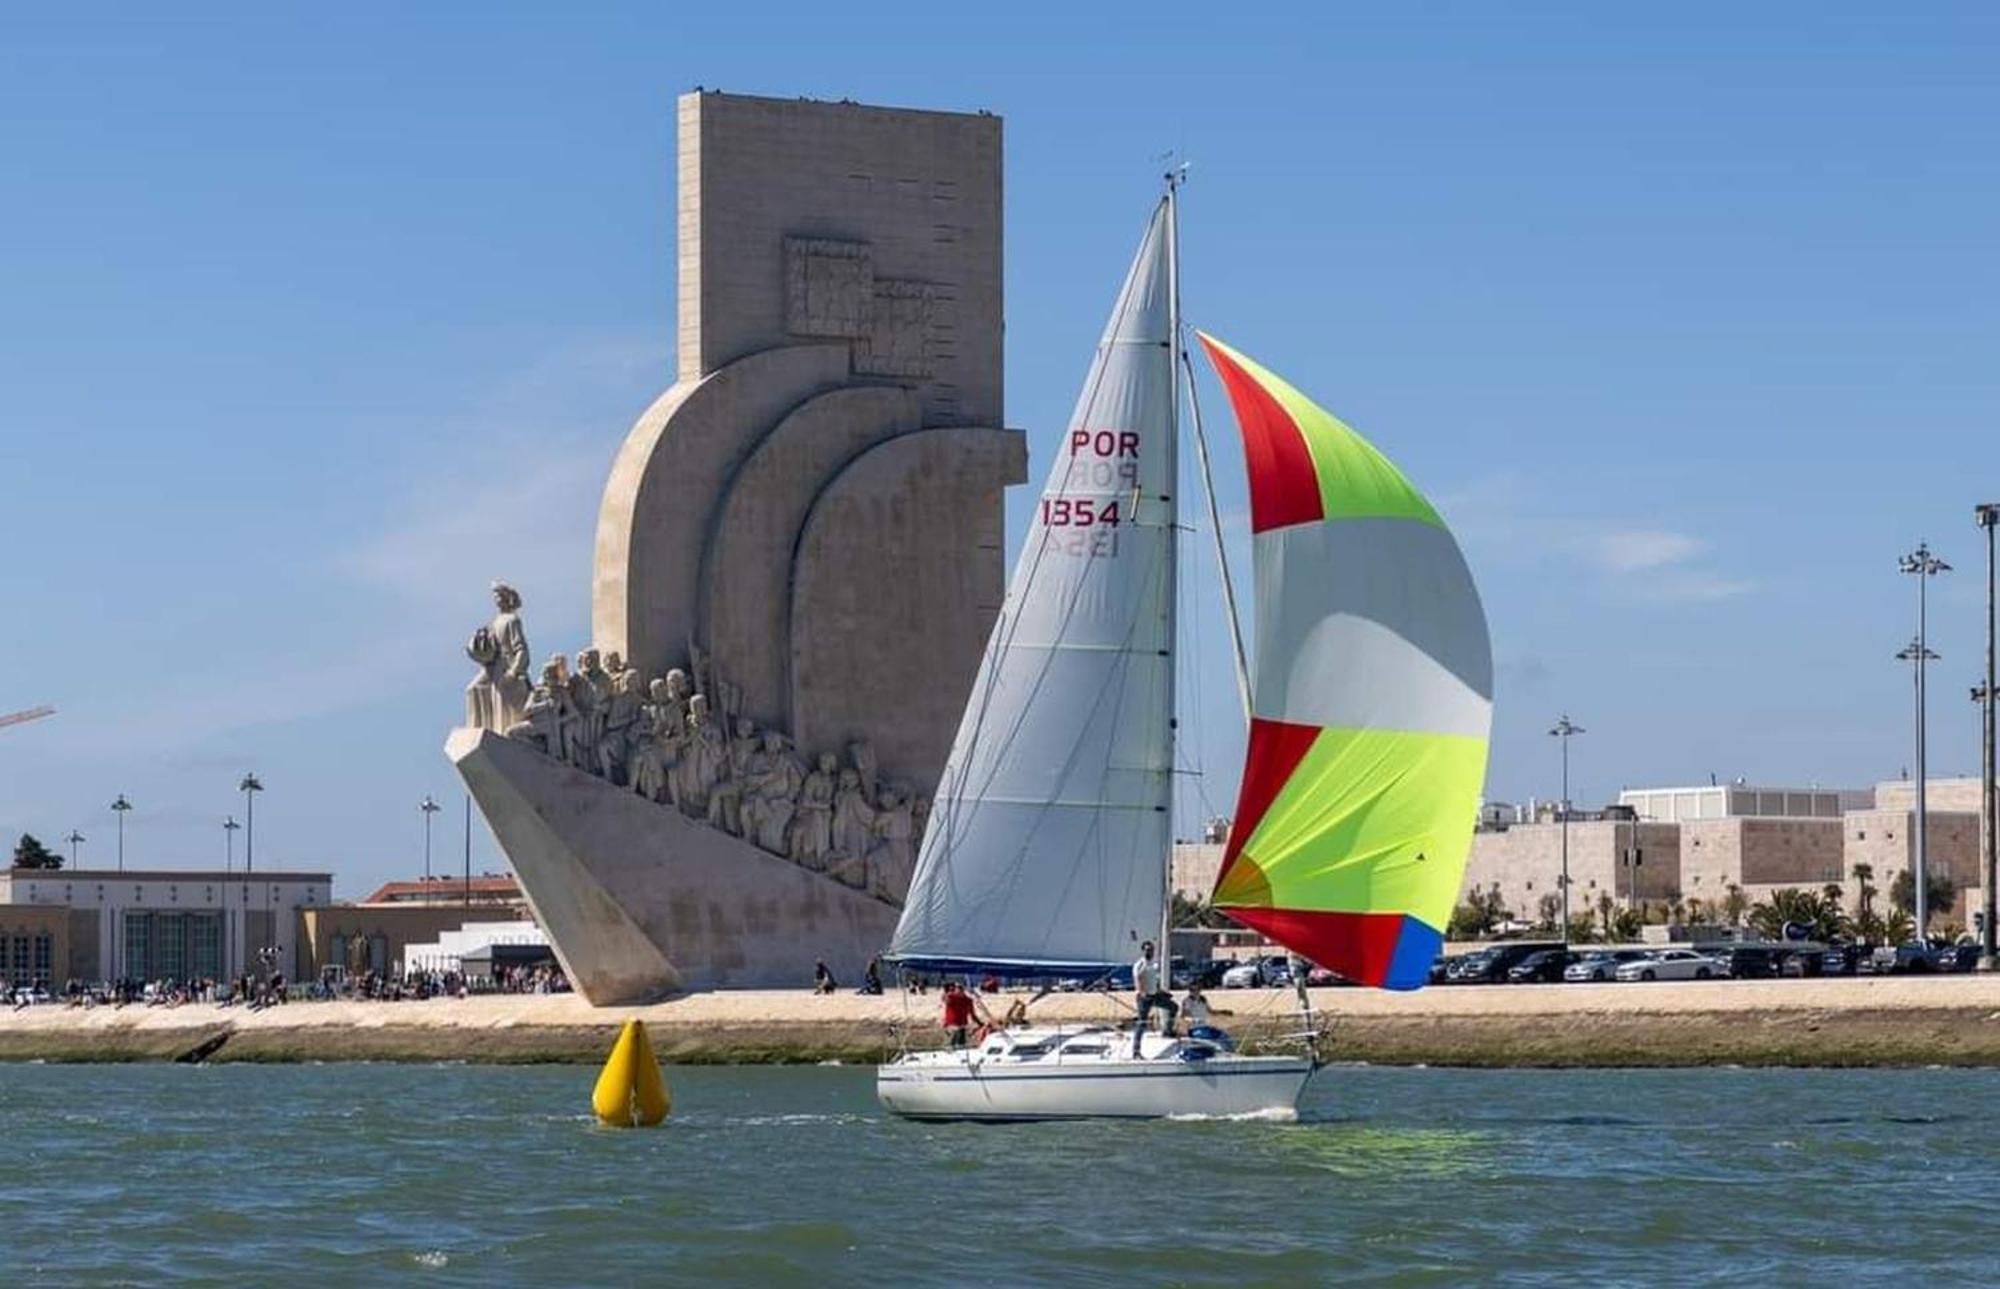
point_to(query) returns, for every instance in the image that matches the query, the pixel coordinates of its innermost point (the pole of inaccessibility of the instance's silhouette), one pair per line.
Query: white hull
(992, 1083)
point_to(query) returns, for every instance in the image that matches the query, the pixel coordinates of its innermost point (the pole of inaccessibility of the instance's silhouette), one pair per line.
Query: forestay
(1049, 836)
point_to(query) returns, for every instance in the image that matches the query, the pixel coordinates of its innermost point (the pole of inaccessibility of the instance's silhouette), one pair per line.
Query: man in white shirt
(1149, 996)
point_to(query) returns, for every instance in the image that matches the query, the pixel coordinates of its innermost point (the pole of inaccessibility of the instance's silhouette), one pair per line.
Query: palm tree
(1606, 907)
(1864, 877)
(1548, 911)
(1735, 904)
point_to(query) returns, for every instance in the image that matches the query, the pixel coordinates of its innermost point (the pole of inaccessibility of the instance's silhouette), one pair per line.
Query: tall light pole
(121, 806)
(1563, 729)
(229, 827)
(1922, 565)
(250, 787)
(1988, 516)
(74, 839)
(429, 808)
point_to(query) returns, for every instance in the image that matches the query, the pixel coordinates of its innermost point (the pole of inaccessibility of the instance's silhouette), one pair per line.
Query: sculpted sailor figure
(498, 695)
(725, 800)
(862, 753)
(621, 714)
(812, 817)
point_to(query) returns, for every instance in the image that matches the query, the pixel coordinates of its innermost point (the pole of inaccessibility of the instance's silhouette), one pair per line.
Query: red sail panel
(1276, 748)
(1284, 483)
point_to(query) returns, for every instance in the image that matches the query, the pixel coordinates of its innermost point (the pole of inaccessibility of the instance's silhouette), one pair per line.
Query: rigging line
(1215, 524)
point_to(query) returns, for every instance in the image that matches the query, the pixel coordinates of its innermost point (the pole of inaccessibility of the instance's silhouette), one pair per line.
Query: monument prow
(799, 557)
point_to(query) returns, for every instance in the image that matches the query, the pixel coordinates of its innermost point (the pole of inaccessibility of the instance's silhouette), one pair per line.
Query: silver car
(1670, 964)
(1600, 964)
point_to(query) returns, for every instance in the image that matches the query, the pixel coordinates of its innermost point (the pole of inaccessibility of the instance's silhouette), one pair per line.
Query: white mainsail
(1050, 834)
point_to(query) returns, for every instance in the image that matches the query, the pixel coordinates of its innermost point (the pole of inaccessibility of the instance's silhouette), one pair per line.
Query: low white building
(173, 924)
(449, 949)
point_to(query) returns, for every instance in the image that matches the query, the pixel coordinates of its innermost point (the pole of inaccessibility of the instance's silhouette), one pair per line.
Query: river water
(460, 1174)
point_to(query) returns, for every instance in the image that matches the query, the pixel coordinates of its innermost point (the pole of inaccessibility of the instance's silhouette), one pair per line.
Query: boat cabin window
(1084, 1049)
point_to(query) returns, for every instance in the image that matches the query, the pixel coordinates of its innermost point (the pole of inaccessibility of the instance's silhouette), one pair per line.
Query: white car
(1249, 975)
(1671, 964)
(1600, 964)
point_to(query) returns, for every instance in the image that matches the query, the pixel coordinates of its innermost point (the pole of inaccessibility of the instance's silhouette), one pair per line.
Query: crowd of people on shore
(254, 993)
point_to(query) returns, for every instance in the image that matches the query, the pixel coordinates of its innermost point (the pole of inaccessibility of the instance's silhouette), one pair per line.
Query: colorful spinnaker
(1371, 697)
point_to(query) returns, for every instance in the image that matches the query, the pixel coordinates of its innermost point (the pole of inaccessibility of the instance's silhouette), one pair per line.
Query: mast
(1172, 556)
(1215, 529)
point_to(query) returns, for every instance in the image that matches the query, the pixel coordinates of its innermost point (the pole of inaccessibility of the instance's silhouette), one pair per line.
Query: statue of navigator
(497, 698)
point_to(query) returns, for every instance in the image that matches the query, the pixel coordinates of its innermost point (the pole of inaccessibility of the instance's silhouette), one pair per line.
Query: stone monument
(799, 556)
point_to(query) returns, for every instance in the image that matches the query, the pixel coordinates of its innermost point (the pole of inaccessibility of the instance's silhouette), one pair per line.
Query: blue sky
(315, 319)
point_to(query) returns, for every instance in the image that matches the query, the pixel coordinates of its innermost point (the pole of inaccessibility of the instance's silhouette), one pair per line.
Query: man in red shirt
(960, 1008)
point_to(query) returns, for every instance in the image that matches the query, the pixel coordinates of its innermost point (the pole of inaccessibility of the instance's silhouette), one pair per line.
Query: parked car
(1600, 964)
(1490, 965)
(1749, 961)
(1915, 959)
(1842, 959)
(1955, 957)
(1670, 964)
(1542, 967)
(1244, 975)
(1441, 967)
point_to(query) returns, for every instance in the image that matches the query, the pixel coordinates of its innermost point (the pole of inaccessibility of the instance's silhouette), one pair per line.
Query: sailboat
(1049, 847)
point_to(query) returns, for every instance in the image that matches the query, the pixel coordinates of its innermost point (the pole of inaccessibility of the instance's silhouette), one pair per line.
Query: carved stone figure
(862, 753)
(702, 758)
(811, 837)
(590, 692)
(498, 696)
(621, 716)
(546, 711)
(648, 762)
(893, 861)
(770, 792)
(853, 823)
(725, 800)
(666, 717)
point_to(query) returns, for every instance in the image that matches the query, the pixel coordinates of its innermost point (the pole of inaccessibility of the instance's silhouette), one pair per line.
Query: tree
(1548, 910)
(1901, 928)
(1941, 891)
(1606, 907)
(1582, 930)
(1626, 925)
(1869, 927)
(1189, 912)
(1481, 912)
(1811, 909)
(1864, 899)
(1735, 904)
(30, 853)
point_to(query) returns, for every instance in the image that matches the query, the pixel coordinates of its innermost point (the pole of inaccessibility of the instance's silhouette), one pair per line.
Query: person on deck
(823, 981)
(960, 1008)
(1149, 996)
(1194, 1008)
(871, 981)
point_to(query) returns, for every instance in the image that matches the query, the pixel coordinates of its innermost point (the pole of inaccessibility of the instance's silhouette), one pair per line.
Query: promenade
(1859, 1021)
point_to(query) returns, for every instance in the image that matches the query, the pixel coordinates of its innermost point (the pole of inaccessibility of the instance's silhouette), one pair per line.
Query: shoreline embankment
(1881, 1021)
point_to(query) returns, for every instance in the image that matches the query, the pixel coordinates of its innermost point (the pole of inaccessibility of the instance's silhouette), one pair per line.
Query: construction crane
(21, 718)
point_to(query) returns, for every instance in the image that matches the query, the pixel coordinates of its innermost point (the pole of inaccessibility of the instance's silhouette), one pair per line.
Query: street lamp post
(121, 806)
(429, 808)
(1987, 517)
(74, 839)
(229, 827)
(1563, 729)
(1923, 565)
(250, 787)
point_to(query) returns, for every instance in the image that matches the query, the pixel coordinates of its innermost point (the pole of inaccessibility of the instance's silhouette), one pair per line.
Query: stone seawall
(1859, 1022)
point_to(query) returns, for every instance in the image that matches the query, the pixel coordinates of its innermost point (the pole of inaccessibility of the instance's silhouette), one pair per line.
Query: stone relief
(831, 291)
(666, 741)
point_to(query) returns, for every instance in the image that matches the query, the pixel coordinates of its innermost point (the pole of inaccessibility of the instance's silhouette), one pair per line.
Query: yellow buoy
(630, 1092)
